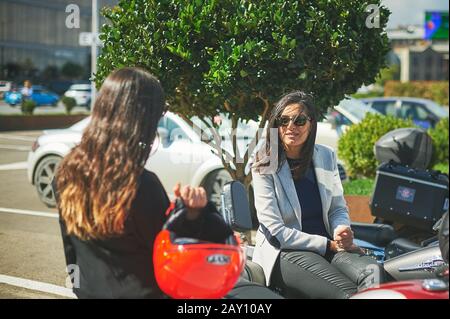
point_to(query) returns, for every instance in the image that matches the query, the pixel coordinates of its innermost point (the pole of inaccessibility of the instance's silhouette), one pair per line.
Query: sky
(408, 12)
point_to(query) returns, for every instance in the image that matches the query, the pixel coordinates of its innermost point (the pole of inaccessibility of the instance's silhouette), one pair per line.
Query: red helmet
(194, 268)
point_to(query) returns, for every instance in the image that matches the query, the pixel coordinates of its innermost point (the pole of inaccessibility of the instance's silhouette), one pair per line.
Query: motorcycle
(436, 288)
(420, 263)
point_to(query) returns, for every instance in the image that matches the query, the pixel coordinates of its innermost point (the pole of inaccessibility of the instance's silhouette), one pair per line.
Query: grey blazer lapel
(285, 177)
(319, 167)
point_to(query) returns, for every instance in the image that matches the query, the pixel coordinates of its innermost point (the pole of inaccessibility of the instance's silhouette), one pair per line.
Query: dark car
(424, 113)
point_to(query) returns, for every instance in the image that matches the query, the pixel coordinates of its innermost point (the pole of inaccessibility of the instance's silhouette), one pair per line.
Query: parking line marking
(17, 137)
(27, 212)
(13, 166)
(15, 147)
(37, 286)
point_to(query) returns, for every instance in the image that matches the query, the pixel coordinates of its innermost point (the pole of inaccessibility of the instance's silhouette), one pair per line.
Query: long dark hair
(306, 101)
(97, 181)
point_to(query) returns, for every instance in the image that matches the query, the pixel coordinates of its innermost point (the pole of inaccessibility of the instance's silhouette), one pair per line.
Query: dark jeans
(304, 274)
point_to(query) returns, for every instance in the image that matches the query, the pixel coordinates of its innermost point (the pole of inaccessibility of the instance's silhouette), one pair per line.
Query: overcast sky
(412, 11)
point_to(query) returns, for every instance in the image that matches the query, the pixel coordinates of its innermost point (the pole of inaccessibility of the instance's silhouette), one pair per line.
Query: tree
(240, 56)
(50, 73)
(71, 70)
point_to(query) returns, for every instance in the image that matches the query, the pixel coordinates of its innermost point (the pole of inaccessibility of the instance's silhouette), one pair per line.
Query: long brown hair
(98, 180)
(306, 101)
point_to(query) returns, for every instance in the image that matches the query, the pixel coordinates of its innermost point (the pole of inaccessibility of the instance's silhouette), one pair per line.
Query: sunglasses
(298, 120)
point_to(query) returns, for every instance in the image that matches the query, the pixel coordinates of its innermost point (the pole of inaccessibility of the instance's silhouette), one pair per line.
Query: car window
(385, 107)
(356, 108)
(175, 132)
(340, 118)
(437, 109)
(414, 111)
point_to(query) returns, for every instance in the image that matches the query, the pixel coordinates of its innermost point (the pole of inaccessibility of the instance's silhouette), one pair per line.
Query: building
(34, 35)
(419, 59)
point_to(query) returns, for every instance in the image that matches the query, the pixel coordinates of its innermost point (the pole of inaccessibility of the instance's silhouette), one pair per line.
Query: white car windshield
(356, 108)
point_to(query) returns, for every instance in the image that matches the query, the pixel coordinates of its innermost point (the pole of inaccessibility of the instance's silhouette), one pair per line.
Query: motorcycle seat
(254, 273)
(377, 234)
(400, 246)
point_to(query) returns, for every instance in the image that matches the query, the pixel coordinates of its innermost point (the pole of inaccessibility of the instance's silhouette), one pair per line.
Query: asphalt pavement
(32, 261)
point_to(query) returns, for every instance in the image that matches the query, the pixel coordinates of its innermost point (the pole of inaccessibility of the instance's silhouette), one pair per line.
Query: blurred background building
(422, 51)
(36, 44)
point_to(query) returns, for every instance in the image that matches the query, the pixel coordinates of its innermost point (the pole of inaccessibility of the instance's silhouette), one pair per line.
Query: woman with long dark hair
(304, 242)
(111, 209)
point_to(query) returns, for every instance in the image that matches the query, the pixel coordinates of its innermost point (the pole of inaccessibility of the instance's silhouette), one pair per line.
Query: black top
(311, 204)
(122, 266)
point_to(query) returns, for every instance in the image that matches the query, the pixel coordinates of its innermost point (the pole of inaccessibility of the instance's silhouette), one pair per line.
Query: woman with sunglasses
(304, 242)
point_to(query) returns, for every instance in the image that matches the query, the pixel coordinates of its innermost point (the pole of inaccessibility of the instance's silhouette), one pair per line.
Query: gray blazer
(279, 212)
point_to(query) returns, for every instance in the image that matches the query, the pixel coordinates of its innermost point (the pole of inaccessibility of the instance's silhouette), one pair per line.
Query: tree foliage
(240, 56)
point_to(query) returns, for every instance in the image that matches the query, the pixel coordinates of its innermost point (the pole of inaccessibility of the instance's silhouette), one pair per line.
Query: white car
(180, 156)
(81, 93)
(348, 112)
(5, 86)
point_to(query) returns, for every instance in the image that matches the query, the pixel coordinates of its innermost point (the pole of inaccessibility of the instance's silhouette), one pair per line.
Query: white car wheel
(43, 177)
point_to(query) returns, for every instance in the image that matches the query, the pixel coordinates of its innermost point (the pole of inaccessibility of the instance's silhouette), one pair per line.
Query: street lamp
(94, 50)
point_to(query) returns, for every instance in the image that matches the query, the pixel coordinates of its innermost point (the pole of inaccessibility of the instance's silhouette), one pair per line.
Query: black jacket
(122, 266)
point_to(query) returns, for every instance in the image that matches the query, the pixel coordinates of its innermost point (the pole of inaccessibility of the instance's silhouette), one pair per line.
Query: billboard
(436, 25)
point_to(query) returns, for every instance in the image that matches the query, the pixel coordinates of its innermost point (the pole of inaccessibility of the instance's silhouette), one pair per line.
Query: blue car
(424, 113)
(40, 95)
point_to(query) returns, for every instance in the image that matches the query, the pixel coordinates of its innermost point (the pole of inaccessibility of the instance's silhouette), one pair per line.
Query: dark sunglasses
(298, 120)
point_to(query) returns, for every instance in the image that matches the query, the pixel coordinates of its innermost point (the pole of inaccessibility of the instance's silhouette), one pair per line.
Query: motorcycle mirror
(235, 206)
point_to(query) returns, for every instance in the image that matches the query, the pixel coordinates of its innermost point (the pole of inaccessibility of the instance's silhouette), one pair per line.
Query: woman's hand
(193, 197)
(343, 235)
(335, 247)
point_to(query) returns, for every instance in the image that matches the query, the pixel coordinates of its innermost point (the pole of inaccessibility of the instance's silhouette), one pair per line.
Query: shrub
(69, 103)
(439, 135)
(432, 90)
(355, 147)
(28, 106)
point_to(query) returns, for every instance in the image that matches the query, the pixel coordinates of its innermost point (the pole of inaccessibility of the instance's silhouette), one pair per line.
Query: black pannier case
(412, 197)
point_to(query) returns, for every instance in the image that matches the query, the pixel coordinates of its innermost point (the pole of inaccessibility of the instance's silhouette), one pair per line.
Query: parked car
(81, 93)
(5, 86)
(424, 113)
(337, 120)
(40, 95)
(180, 157)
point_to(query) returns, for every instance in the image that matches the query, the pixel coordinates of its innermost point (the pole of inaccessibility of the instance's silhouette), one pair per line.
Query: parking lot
(31, 254)
(7, 109)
